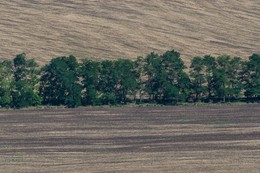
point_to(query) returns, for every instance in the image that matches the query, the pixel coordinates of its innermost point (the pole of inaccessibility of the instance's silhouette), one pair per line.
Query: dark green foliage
(198, 78)
(156, 78)
(59, 83)
(174, 77)
(6, 79)
(24, 96)
(226, 78)
(166, 81)
(152, 73)
(141, 79)
(126, 79)
(210, 66)
(217, 79)
(90, 72)
(251, 77)
(184, 85)
(108, 83)
(26, 77)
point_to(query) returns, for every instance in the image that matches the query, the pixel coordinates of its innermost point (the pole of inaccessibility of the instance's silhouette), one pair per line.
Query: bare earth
(126, 29)
(141, 139)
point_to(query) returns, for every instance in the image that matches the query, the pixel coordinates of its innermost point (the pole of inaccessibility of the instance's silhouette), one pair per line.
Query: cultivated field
(140, 139)
(114, 28)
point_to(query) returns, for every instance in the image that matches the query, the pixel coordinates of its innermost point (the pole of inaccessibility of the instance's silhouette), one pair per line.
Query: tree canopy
(162, 79)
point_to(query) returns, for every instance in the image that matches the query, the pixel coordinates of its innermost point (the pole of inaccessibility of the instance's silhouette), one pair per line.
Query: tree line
(162, 79)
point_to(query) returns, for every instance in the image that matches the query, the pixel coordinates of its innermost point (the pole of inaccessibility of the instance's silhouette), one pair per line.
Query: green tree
(25, 84)
(251, 77)
(6, 80)
(198, 77)
(117, 81)
(90, 72)
(140, 75)
(185, 87)
(210, 67)
(166, 81)
(126, 76)
(108, 83)
(175, 81)
(60, 84)
(152, 74)
(226, 76)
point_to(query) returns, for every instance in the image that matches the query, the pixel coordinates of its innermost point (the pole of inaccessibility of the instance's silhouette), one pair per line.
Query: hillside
(114, 28)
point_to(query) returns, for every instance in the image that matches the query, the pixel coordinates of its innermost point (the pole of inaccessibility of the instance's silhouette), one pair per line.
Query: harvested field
(140, 139)
(127, 29)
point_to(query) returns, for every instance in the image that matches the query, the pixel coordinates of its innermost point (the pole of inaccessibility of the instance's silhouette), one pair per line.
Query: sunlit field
(126, 29)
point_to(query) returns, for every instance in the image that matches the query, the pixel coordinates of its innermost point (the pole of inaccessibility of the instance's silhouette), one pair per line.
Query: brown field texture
(131, 139)
(45, 29)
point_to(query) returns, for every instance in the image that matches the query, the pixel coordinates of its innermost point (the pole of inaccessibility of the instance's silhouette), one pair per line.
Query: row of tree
(162, 79)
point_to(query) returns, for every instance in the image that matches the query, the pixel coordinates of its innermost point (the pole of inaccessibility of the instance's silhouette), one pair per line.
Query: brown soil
(116, 28)
(138, 139)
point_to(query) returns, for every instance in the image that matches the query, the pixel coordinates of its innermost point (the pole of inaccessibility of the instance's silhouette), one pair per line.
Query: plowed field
(96, 29)
(137, 139)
